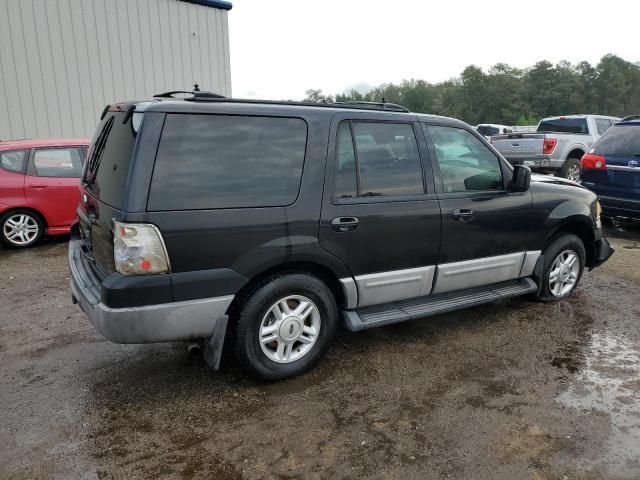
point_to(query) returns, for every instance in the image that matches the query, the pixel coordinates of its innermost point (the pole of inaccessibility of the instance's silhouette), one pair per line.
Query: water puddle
(608, 381)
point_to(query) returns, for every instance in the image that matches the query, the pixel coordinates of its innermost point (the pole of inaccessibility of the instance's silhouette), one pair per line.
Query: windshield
(564, 125)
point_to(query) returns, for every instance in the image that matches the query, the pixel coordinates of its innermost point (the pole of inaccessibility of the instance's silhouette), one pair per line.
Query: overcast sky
(279, 49)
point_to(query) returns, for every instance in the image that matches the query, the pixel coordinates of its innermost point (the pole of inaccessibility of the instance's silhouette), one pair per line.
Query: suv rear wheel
(564, 261)
(20, 228)
(285, 326)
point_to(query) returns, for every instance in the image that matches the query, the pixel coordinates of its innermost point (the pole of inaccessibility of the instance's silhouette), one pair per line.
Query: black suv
(269, 223)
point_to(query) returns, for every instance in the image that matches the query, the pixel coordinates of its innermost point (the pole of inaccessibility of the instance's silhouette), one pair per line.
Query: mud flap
(212, 352)
(538, 272)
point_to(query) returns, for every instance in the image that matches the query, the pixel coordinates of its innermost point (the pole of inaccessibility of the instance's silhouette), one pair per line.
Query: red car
(39, 188)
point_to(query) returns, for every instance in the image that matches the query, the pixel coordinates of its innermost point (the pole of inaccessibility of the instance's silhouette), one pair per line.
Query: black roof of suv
(278, 220)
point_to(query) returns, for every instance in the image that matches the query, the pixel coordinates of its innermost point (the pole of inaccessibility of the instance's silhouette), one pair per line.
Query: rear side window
(109, 159)
(224, 161)
(602, 125)
(57, 162)
(377, 159)
(564, 125)
(13, 161)
(619, 141)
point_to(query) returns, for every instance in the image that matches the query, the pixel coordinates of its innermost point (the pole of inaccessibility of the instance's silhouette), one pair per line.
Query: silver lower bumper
(164, 322)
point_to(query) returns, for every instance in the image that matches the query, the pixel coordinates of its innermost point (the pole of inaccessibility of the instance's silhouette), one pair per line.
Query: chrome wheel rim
(573, 173)
(289, 329)
(564, 273)
(20, 229)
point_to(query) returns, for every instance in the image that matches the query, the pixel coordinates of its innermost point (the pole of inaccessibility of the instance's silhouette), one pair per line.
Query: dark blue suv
(612, 169)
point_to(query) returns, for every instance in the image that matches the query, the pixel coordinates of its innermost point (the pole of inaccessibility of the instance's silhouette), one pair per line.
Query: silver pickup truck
(556, 146)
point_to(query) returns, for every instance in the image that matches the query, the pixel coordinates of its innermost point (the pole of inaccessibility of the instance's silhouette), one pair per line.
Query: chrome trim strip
(385, 287)
(478, 272)
(623, 168)
(529, 262)
(350, 292)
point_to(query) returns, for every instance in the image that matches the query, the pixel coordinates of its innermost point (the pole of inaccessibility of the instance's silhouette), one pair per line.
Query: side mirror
(521, 178)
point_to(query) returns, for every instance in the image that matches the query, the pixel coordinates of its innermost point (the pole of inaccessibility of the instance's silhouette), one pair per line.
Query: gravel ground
(513, 390)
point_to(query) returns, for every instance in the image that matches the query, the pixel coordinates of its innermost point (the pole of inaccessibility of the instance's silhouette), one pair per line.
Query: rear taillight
(593, 162)
(138, 249)
(549, 145)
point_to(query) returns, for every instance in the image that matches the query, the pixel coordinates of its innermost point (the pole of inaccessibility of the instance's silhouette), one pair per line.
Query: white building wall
(62, 61)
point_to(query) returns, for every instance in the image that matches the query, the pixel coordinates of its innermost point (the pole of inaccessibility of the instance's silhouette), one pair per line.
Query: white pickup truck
(556, 146)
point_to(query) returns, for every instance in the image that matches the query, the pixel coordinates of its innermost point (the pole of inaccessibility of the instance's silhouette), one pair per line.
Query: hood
(554, 180)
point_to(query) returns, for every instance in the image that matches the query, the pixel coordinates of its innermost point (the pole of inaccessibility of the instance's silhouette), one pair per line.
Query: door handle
(463, 215)
(344, 224)
(38, 185)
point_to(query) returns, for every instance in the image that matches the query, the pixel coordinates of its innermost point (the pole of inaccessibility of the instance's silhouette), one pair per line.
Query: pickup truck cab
(268, 224)
(557, 146)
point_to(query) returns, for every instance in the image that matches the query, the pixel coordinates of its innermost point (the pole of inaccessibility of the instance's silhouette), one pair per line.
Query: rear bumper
(620, 207)
(165, 322)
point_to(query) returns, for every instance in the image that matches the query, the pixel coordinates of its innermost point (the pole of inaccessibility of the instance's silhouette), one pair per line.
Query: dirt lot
(513, 390)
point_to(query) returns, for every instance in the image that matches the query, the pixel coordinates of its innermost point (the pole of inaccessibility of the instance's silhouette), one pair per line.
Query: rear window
(225, 161)
(619, 141)
(564, 125)
(488, 131)
(109, 158)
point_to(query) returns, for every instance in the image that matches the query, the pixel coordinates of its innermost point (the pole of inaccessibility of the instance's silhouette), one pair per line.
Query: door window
(466, 164)
(58, 162)
(377, 159)
(13, 161)
(602, 125)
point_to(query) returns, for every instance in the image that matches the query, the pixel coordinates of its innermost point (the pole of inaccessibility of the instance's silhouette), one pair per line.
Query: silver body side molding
(395, 285)
(350, 293)
(385, 287)
(478, 272)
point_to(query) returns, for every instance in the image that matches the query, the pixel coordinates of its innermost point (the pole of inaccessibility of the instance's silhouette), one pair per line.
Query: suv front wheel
(285, 326)
(564, 261)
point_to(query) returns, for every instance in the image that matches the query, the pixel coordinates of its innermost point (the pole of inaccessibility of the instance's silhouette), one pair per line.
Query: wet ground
(512, 390)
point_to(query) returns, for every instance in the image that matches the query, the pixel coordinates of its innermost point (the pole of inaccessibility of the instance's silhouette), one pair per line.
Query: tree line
(512, 96)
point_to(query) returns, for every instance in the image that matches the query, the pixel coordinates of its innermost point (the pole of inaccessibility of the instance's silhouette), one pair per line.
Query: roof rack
(630, 117)
(212, 97)
(383, 105)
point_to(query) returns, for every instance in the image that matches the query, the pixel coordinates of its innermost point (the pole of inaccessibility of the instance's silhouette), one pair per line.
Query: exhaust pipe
(194, 348)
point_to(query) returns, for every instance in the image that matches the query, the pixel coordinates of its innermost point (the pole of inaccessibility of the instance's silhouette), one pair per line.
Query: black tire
(570, 166)
(249, 318)
(35, 218)
(560, 244)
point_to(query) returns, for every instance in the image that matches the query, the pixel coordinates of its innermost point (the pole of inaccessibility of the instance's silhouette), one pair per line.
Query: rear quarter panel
(11, 190)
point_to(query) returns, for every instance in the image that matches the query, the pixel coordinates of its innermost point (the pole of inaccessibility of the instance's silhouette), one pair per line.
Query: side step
(379, 315)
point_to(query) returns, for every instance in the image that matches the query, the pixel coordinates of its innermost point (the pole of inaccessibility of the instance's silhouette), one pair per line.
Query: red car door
(52, 185)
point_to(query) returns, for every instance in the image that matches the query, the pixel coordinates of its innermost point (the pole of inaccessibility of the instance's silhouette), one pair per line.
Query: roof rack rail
(212, 97)
(630, 117)
(384, 105)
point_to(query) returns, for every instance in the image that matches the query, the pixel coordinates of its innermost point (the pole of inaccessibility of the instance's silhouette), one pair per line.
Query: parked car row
(557, 145)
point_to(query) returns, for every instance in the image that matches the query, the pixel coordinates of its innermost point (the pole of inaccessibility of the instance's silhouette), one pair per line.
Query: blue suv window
(620, 141)
(227, 161)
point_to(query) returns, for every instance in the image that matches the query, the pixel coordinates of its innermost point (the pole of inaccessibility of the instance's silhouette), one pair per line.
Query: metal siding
(62, 61)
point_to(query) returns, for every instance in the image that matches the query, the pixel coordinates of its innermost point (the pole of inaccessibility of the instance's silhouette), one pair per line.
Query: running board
(379, 315)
